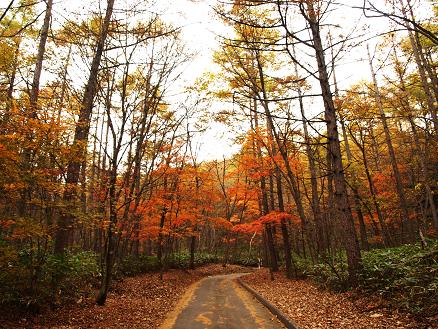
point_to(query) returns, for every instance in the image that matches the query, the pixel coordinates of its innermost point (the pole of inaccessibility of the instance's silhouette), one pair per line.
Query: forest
(102, 134)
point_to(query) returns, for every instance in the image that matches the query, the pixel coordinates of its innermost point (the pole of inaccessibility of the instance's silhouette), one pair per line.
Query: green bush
(330, 272)
(31, 279)
(181, 260)
(250, 261)
(73, 270)
(303, 266)
(205, 258)
(406, 275)
(134, 265)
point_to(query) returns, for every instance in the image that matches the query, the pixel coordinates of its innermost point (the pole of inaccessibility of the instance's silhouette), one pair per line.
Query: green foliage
(73, 270)
(134, 265)
(303, 266)
(12, 275)
(330, 272)
(182, 260)
(249, 260)
(406, 275)
(33, 279)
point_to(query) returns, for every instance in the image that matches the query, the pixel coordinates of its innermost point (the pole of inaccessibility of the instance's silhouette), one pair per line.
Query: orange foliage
(277, 217)
(248, 228)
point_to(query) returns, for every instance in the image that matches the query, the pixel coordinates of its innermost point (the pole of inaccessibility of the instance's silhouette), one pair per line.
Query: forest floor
(144, 302)
(312, 307)
(136, 302)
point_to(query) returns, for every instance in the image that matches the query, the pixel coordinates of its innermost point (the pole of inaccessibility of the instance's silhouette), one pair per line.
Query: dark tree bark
(407, 233)
(265, 202)
(66, 220)
(350, 241)
(34, 92)
(356, 196)
(373, 191)
(32, 113)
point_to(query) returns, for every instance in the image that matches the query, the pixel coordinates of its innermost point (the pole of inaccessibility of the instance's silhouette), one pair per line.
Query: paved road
(218, 302)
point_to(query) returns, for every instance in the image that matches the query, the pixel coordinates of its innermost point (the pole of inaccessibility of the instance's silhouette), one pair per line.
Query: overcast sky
(200, 31)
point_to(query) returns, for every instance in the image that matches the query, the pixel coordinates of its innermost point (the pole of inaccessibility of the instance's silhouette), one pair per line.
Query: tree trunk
(291, 177)
(65, 229)
(421, 156)
(316, 207)
(373, 191)
(350, 241)
(110, 249)
(357, 203)
(421, 64)
(10, 92)
(424, 171)
(32, 113)
(284, 230)
(356, 197)
(405, 221)
(192, 251)
(34, 92)
(265, 205)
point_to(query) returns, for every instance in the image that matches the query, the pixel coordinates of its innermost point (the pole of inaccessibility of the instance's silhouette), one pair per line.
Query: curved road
(218, 302)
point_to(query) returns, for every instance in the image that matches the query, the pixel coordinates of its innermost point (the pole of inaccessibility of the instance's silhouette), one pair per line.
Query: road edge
(283, 318)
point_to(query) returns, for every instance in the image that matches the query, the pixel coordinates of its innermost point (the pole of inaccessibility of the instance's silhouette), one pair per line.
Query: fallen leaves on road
(136, 302)
(311, 307)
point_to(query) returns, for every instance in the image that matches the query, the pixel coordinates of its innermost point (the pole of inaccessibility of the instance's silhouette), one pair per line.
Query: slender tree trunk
(417, 146)
(330, 211)
(110, 250)
(291, 177)
(357, 203)
(192, 251)
(421, 64)
(424, 173)
(11, 86)
(373, 191)
(32, 113)
(316, 207)
(265, 204)
(34, 92)
(356, 197)
(66, 220)
(350, 241)
(284, 228)
(64, 86)
(113, 233)
(406, 225)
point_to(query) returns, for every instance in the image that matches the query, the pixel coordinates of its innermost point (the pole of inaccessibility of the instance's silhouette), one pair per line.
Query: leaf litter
(310, 306)
(135, 302)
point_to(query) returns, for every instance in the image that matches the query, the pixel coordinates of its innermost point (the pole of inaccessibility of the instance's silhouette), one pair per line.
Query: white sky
(200, 30)
(201, 34)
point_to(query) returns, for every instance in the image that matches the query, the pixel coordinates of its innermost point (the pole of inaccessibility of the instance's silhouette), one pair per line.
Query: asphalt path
(219, 302)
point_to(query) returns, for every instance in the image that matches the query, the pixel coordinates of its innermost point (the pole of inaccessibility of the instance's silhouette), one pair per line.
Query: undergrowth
(406, 276)
(30, 280)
